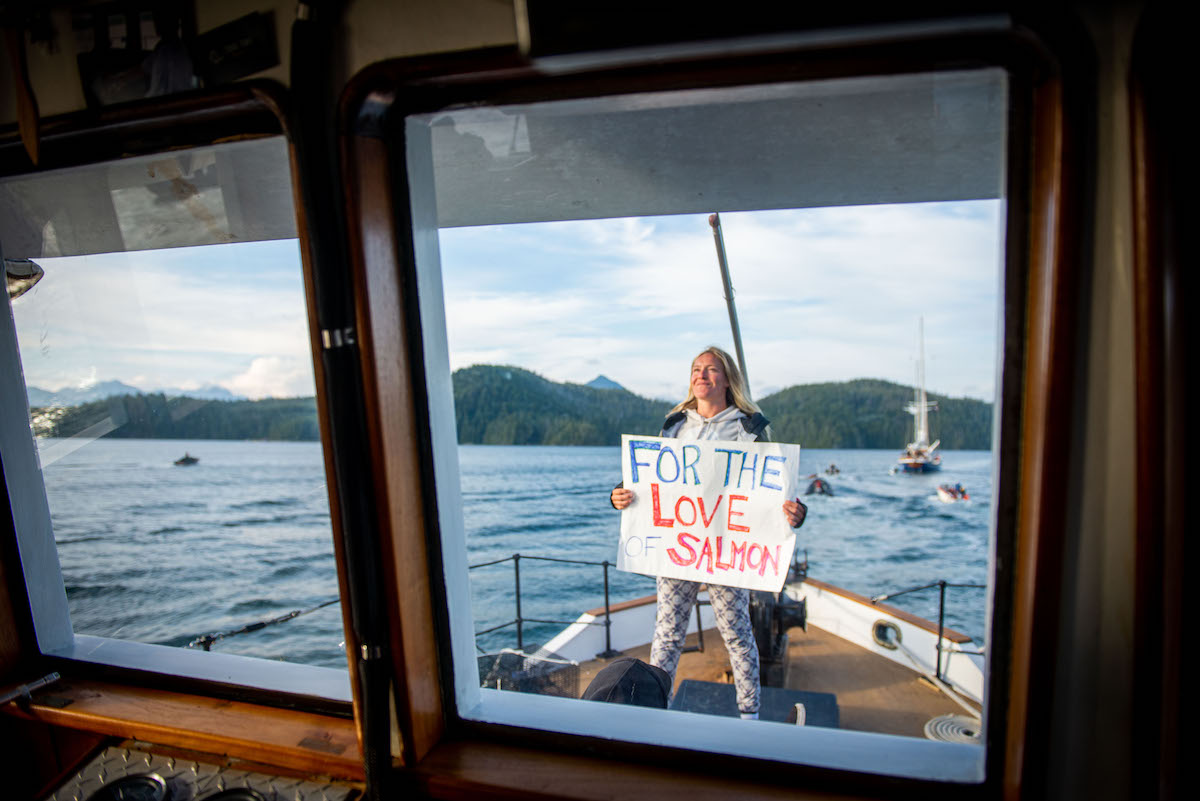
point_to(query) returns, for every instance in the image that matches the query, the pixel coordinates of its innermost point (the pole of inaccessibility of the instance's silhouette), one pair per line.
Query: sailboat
(919, 456)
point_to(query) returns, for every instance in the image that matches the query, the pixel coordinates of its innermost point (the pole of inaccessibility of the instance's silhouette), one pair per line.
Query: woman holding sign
(717, 407)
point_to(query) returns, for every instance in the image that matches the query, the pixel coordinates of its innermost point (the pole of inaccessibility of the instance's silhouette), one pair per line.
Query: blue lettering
(768, 471)
(752, 468)
(634, 464)
(693, 449)
(665, 450)
(728, 458)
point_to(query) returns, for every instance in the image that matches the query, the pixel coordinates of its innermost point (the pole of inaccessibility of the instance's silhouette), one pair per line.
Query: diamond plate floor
(188, 780)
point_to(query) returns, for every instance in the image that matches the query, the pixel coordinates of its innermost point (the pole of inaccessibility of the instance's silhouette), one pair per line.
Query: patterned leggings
(731, 605)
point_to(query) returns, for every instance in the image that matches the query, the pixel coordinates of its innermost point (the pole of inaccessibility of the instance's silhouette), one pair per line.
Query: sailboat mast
(715, 221)
(922, 403)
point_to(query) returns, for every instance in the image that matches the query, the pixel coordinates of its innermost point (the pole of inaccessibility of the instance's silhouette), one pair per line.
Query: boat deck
(873, 693)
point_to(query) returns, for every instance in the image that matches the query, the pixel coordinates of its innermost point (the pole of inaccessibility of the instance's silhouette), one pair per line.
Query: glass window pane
(566, 248)
(168, 371)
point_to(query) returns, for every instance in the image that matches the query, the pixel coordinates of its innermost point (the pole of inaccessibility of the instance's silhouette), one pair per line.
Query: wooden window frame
(249, 110)
(451, 757)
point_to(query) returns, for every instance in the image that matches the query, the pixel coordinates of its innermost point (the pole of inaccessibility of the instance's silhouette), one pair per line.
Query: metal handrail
(519, 621)
(941, 585)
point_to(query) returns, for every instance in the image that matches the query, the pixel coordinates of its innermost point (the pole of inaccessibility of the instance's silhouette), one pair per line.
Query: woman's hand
(795, 512)
(621, 497)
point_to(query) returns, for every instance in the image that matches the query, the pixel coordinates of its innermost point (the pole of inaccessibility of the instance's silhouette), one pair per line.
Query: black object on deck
(543, 673)
(776, 703)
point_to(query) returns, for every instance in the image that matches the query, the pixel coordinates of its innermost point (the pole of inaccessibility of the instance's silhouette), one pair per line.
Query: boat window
(168, 477)
(568, 274)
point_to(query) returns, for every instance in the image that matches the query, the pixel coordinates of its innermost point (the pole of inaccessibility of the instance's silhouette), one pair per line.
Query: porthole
(886, 633)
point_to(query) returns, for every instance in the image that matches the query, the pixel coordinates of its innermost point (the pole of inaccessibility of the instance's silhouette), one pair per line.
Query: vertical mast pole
(715, 221)
(923, 434)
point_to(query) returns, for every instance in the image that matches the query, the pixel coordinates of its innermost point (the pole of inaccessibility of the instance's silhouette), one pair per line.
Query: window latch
(337, 337)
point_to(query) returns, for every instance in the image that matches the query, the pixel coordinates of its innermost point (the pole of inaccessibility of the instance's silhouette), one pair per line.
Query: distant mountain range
(74, 396)
(603, 382)
(497, 405)
(511, 406)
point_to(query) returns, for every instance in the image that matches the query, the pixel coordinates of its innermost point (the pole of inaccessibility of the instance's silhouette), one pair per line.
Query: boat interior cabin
(354, 132)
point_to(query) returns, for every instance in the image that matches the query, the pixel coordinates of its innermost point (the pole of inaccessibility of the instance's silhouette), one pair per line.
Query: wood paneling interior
(1046, 427)
(323, 415)
(470, 771)
(1162, 156)
(17, 643)
(392, 426)
(187, 120)
(301, 741)
(76, 714)
(466, 762)
(37, 758)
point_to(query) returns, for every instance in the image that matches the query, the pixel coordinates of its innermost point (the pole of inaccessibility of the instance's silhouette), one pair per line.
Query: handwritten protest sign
(708, 510)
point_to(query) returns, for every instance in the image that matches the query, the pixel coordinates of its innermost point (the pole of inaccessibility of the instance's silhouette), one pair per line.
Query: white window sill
(837, 749)
(243, 671)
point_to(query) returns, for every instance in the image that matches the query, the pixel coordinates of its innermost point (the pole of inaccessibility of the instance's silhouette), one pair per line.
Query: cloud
(272, 377)
(183, 317)
(822, 295)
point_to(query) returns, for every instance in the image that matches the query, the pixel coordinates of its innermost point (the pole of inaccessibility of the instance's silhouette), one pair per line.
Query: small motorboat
(186, 461)
(950, 494)
(818, 486)
(832, 470)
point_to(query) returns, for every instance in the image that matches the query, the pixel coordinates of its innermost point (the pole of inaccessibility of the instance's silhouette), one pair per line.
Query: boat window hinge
(369, 652)
(337, 337)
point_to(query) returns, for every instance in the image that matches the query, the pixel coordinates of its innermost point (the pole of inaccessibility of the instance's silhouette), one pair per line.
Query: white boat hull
(840, 612)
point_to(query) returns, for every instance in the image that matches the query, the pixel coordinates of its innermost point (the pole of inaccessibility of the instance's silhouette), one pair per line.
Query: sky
(826, 294)
(230, 315)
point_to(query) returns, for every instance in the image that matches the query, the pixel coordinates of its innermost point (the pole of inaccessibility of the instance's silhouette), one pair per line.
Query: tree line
(496, 405)
(157, 416)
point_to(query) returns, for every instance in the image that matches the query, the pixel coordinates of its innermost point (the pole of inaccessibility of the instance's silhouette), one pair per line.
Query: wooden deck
(873, 693)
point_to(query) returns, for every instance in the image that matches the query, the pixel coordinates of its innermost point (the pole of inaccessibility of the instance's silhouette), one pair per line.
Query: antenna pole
(719, 240)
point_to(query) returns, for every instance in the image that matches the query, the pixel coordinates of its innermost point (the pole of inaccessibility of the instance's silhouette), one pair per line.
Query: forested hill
(511, 406)
(156, 416)
(869, 413)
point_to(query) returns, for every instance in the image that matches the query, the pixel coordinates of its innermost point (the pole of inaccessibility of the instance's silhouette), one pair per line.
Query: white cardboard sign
(708, 510)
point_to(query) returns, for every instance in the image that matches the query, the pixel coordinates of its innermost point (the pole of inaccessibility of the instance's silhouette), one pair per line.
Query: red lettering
(709, 518)
(722, 565)
(753, 549)
(679, 517)
(658, 518)
(675, 557)
(735, 550)
(768, 558)
(732, 525)
(706, 551)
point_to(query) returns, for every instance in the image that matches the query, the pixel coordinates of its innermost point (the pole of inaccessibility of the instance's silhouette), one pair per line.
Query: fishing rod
(714, 220)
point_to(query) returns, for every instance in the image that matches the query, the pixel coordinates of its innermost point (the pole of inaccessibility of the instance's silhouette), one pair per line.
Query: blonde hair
(737, 393)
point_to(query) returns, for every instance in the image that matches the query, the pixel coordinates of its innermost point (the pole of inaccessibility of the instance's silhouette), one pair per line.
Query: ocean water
(878, 533)
(162, 554)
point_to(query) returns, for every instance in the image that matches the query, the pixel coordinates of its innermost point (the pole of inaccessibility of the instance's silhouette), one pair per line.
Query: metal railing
(941, 622)
(519, 621)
